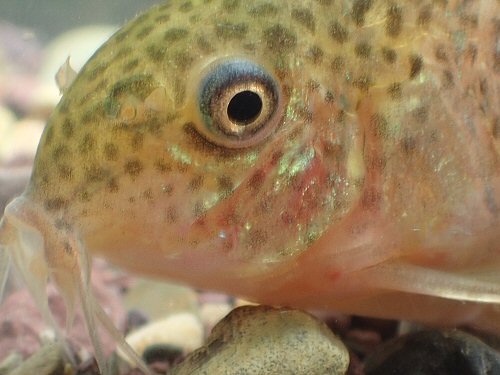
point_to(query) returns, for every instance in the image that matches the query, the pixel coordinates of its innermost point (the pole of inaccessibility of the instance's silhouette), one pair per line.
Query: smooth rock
(434, 352)
(267, 341)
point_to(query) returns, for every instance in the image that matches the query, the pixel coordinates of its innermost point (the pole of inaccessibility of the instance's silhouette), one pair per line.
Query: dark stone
(162, 353)
(434, 353)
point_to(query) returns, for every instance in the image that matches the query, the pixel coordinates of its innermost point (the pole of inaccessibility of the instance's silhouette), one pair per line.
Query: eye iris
(239, 103)
(244, 107)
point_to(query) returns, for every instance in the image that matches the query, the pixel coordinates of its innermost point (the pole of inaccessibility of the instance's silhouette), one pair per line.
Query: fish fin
(65, 76)
(94, 314)
(120, 340)
(4, 270)
(404, 277)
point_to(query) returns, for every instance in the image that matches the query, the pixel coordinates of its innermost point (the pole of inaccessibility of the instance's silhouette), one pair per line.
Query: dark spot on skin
(110, 152)
(495, 128)
(132, 64)
(61, 151)
(112, 185)
(225, 184)
(140, 86)
(171, 215)
(363, 82)
(95, 173)
(96, 71)
(448, 80)
(120, 37)
(229, 30)
(175, 34)
(256, 180)
(87, 143)
(395, 90)
(421, 114)
(161, 166)
(196, 183)
(55, 204)
(134, 168)
(408, 145)
(164, 6)
(199, 211)
(394, 21)
(204, 45)
(156, 53)
(257, 238)
(338, 32)
(469, 20)
(315, 54)
(338, 64)
(67, 128)
(186, 7)
(471, 53)
(162, 18)
(371, 199)
(440, 53)
(144, 32)
(123, 52)
(167, 189)
(304, 17)
(65, 172)
(389, 55)
(333, 151)
(62, 224)
(183, 59)
(424, 16)
(363, 50)
(137, 141)
(483, 87)
(230, 5)
(83, 196)
(359, 9)
(416, 65)
(265, 9)
(147, 195)
(279, 38)
(329, 97)
(378, 125)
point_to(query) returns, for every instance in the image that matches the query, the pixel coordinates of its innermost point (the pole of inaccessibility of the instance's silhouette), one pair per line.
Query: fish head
(199, 131)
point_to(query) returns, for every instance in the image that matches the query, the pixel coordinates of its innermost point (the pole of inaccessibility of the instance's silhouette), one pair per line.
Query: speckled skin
(377, 193)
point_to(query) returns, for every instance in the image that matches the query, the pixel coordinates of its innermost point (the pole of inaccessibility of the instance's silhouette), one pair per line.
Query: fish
(319, 154)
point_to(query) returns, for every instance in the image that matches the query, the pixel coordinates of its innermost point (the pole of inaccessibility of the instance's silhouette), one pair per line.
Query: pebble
(266, 341)
(182, 330)
(434, 352)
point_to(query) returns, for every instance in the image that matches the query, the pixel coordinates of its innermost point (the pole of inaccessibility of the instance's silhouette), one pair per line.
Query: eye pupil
(244, 107)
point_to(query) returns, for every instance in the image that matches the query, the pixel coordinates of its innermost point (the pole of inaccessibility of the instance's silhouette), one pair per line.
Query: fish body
(320, 154)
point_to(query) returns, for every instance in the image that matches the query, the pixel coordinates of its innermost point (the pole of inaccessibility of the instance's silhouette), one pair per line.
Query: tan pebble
(20, 140)
(183, 330)
(268, 341)
(212, 313)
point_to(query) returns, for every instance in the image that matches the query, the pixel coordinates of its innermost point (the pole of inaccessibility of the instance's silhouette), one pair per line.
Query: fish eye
(239, 103)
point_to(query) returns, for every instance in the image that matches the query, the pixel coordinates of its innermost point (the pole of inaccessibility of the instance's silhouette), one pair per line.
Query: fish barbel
(339, 155)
